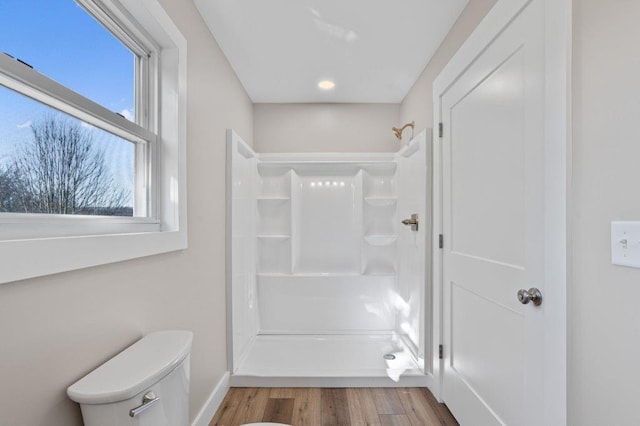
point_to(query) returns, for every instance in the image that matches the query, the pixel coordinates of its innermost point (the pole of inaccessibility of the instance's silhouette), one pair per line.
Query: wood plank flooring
(333, 407)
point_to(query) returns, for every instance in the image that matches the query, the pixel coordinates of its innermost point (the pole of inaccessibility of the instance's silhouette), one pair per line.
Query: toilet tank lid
(134, 369)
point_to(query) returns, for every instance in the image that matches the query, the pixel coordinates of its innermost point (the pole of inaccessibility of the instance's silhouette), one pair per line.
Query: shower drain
(389, 357)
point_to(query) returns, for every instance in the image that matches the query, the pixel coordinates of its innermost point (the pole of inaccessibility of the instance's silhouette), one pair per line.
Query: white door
(493, 194)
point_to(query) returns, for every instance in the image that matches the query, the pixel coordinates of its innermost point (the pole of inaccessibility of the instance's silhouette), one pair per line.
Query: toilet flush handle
(148, 401)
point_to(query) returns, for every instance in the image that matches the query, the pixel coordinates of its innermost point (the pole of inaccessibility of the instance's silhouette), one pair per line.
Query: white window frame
(36, 245)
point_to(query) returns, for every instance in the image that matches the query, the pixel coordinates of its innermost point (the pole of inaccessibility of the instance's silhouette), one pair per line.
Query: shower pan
(326, 285)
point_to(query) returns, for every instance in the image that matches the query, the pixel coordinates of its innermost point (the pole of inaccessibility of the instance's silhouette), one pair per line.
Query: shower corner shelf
(381, 240)
(381, 201)
(324, 274)
(295, 275)
(273, 237)
(379, 274)
(273, 274)
(274, 199)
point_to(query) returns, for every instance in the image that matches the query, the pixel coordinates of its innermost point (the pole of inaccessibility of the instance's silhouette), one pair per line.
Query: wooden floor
(332, 407)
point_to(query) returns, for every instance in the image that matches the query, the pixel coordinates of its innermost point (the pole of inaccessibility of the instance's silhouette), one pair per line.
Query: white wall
(55, 329)
(326, 127)
(605, 313)
(418, 104)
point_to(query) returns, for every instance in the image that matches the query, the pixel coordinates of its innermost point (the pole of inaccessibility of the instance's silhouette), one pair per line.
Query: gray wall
(55, 329)
(604, 311)
(418, 104)
(326, 127)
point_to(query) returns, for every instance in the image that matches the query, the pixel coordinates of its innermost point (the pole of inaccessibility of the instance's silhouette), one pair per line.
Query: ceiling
(374, 50)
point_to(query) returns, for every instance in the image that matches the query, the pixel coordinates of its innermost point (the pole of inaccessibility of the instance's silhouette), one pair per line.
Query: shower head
(398, 131)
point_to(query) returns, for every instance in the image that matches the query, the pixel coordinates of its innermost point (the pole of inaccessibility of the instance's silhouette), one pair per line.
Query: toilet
(147, 384)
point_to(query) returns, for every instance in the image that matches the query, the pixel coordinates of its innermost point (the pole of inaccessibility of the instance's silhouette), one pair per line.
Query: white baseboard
(328, 382)
(213, 402)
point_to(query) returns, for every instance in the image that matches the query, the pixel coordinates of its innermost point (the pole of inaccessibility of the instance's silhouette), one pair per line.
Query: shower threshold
(328, 361)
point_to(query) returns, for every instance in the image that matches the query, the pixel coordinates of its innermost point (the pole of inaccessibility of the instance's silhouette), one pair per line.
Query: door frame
(557, 147)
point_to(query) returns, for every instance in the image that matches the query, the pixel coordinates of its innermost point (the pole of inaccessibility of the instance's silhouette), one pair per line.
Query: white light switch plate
(625, 244)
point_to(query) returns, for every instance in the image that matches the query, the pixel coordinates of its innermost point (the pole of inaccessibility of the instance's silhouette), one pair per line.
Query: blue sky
(60, 40)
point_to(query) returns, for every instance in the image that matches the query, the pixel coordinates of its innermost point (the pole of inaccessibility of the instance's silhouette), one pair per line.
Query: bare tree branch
(61, 171)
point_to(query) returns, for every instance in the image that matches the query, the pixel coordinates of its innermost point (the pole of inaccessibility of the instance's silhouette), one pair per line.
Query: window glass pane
(53, 163)
(59, 39)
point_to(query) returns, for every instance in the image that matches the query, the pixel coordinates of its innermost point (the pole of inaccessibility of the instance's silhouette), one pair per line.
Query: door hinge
(440, 130)
(441, 241)
(441, 352)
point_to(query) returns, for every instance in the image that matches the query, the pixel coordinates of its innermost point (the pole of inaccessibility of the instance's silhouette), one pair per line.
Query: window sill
(44, 256)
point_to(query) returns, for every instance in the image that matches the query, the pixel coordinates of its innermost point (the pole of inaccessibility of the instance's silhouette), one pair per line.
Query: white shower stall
(326, 286)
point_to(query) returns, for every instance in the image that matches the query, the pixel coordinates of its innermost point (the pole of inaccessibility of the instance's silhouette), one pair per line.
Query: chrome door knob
(531, 295)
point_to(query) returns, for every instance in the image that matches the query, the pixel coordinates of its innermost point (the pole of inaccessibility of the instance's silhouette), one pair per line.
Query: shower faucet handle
(413, 222)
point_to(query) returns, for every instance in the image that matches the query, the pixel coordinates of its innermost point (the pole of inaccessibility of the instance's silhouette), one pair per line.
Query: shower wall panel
(244, 303)
(327, 213)
(327, 304)
(326, 250)
(412, 249)
(318, 248)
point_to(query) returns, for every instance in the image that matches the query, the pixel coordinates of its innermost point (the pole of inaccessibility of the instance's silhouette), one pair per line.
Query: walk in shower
(326, 285)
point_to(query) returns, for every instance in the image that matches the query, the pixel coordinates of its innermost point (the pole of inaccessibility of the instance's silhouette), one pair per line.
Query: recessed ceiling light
(326, 85)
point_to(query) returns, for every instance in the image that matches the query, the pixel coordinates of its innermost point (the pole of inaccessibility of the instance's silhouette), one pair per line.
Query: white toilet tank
(147, 384)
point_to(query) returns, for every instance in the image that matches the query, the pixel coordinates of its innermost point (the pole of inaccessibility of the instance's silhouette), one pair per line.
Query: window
(51, 162)
(86, 148)
(62, 40)
(54, 163)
